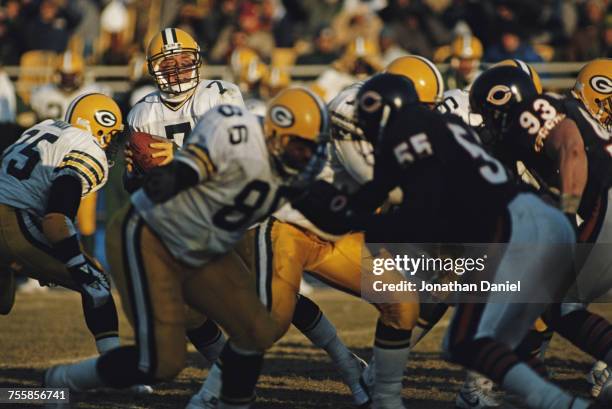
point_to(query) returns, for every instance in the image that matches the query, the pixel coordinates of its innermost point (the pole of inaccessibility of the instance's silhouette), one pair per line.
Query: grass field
(48, 328)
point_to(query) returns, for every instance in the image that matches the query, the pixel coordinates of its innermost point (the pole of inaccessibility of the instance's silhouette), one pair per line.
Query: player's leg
(19, 243)
(276, 253)
(205, 335)
(150, 282)
(292, 251)
(249, 324)
(483, 337)
(343, 269)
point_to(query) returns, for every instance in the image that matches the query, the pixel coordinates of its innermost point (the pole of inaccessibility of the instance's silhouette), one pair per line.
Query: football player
(174, 60)
(466, 53)
(188, 216)
(288, 244)
(441, 166)
(430, 89)
(51, 101)
(361, 59)
(44, 175)
(423, 73)
(565, 144)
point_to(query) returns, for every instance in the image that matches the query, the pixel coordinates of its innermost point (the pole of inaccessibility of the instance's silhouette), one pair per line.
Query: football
(139, 144)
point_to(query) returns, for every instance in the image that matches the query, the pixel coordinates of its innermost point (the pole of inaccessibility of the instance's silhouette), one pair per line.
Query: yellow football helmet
(276, 79)
(361, 57)
(526, 68)
(423, 73)
(70, 69)
(98, 114)
(296, 127)
(467, 47)
(594, 88)
(174, 60)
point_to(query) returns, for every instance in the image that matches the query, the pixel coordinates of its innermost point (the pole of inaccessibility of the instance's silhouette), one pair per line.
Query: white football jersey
(50, 102)
(331, 82)
(237, 187)
(42, 154)
(154, 116)
(457, 101)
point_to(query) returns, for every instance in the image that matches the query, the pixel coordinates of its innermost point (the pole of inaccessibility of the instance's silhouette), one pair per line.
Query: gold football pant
(22, 242)
(156, 290)
(280, 252)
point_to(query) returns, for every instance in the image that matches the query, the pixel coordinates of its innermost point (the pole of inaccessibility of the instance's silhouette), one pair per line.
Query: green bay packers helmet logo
(105, 118)
(281, 116)
(370, 101)
(499, 95)
(601, 84)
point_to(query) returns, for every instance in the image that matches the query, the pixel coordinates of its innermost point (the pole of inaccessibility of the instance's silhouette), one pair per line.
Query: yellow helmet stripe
(322, 109)
(67, 61)
(467, 44)
(169, 36)
(437, 75)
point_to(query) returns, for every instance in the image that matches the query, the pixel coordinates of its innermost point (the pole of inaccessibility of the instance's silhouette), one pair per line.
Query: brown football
(139, 145)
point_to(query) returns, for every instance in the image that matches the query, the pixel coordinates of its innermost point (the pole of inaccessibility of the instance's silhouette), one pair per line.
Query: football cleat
(475, 398)
(476, 393)
(56, 377)
(604, 385)
(141, 389)
(597, 377)
(352, 377)
(381, 396)
(202, 401)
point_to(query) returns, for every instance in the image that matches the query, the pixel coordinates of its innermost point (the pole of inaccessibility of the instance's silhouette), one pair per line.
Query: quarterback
(171, 112)
(188, 216)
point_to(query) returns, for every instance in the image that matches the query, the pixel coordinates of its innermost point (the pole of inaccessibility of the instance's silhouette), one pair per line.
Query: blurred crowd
(112, 31)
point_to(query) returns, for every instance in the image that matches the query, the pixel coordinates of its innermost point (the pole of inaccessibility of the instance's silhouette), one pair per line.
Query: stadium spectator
(412, 35)
(389, 48)
(50, 26)
(10, 47)
(248, 31)
(586, 42)
(357, 22)
(511, 45)
(607, 37)
(88, 29)
(325, 49)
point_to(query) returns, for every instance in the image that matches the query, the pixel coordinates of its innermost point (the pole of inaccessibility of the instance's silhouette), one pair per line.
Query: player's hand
(129, 158)
(163, 149)
(93, 281)
(160, 183)
(325, 206)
